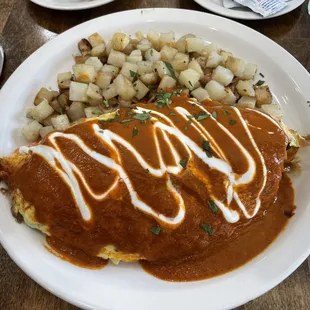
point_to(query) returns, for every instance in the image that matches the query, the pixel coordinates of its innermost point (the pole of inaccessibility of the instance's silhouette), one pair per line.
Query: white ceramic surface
(70, 5)
(127, 286)
(216, 6)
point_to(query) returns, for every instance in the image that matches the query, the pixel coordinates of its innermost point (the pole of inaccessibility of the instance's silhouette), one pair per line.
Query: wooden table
(24, 27)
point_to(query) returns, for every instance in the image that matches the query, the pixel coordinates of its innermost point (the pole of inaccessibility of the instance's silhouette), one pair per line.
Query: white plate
(216, 6)
(70, 5)
(127, 286)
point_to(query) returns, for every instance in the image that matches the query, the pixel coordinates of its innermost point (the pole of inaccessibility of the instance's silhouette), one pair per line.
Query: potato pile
(125, 70)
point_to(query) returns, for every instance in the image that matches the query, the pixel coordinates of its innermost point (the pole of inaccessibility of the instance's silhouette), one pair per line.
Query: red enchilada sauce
(195, 190)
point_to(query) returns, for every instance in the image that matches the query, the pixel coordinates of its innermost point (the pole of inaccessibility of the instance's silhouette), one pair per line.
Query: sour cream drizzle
(69, 172)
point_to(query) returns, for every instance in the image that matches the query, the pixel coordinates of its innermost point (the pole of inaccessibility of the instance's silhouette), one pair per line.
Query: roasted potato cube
(216, 90)
(153, 37)
(116, 58)
(200, 94)
(230, 97)
(145, 67)
(167, 82)
(194, 45)
(214, 60)
(84, 47)
(95, 62)
(196, 66)
(189, 78)
(93, 91)
(249, 71)
(180, 62)
(161, 68)
(235, 65)
(208, 49)
(124, 87)
(103, 79)
(222, 75)
(167, 53)
(42, 111)
(98, 50)
(111, 70)
(77, 92)
(245, 88)
(134, 59)
(110, 92)
(44, 93)
(152, 55)
(181, 43)
(129, 70)
(141, 89)
(247, 102)
(84, 73)
(139, 35)
(76, 111)
(95, 39)
(144, 45)
(120, 41)
(61, 122)
(44, 131)
(263, 95)
(31, 131)
(225, 55)
(64, 80)
(149, 78)
(166, 39)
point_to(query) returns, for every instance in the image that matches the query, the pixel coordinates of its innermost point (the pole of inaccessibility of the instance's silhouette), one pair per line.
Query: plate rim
(63, 294)
(72, 7)
(244, 15)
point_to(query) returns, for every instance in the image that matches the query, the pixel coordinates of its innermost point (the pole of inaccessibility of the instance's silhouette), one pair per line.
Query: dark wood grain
(24, 27)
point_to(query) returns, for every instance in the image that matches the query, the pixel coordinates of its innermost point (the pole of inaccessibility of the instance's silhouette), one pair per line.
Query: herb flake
(170, 69)
(135, 131)
(207, 228)
(134, 75)
(232, 122)
(147, 170)
(106, 103)
(214, 114)
(155, 230)
(212, 206)
(142, 116)
(183, 162)
(260, 83)
(202, 117)
(126, 120)
(226, 112)
(172, 113)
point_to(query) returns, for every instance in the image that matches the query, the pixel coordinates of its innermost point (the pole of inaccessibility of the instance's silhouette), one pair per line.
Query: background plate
(244, 13)
(126, 286)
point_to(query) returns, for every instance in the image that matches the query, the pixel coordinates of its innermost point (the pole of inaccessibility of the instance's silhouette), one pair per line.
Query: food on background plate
(159, 151)
(125, 70)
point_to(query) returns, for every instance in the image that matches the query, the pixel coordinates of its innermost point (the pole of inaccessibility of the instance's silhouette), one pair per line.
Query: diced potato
(161, 68)
(196, 66)
(222, 75)
(116, 58)
(153, 37)
(145, 67)
(111, 70)
(44, 131)
(189, 78)
(136, 53)
(95, 39)
(249, 71)
(92, 112)
(108, 48)
(212, 47)
(167, 82)
(263, 95)
(129, 70)
(235, 65)
(98, 50)
(31, 131)
(76, 111)
(141, 89)
(48, 121)
(84, 47)
(120, 41)
(124, 87)
(61, 122)
(247, 102)
(144, 45)
(194, 45)
(110, 92)
(181, 43)
(80, 59)
(166, 39)
(230, 97)
(63, 100)
(216, 90)
(43, 93)
(128, 49)
(167, 53)
(84, 73)
(94, 61)
(149, 78)
(200, 94)
(214, 60)
(64, 80)
(93, 91)
(202, 60)
(77, 92)
(180, 62)
(134, 59)
(245, 88)
(124, 103)
(134, 42)
(42, 111)
(103, 79)
(273, 110)
(152, 55)
(139, 35)
(225, 55)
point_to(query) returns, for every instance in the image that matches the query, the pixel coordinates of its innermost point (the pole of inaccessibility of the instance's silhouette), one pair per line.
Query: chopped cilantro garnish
(106, 103)
(260, 83)
(155, 230)
(170, 69)
(134, 75)
(212, 206)
(226, 112)
(183, 162)
(207, 228)
(126, 120)
(214, 114)
(135, 131)
(232, 122)
(142, 116)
